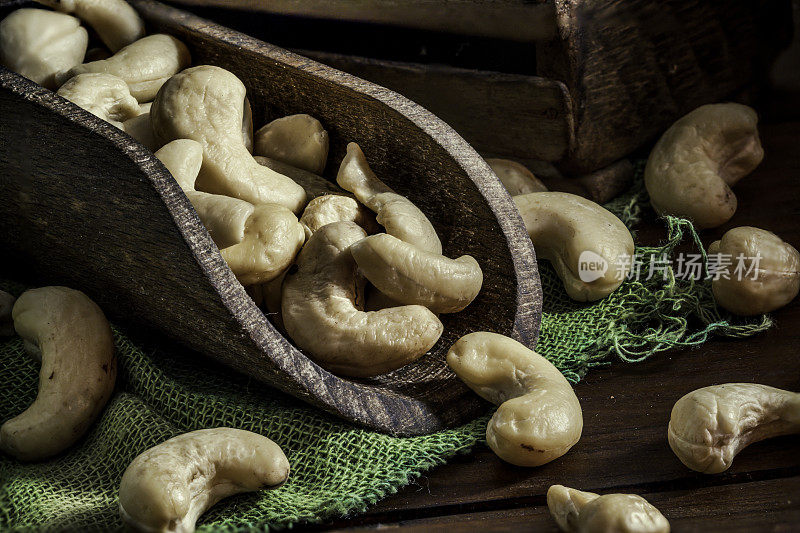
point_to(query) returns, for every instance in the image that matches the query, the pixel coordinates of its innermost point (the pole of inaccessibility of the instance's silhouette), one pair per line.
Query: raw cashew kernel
(115, 21)
(313, 184)
(206, 104)
(140, 128)
(587, 245)
(322, 311)
(324, 210)
(709, 426)
(102, 95)
(6, 304)
(539, 418)
(257, 242)
(72, 336)
(769, 276)
(297, 140)
(515, 177)
(694, 164)
(396, 213)
(145, 65)
(576, 511)
(168, 487)
(409, 275)
(40, 44)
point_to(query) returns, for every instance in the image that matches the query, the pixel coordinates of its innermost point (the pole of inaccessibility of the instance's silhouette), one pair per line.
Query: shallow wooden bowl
(85, 205)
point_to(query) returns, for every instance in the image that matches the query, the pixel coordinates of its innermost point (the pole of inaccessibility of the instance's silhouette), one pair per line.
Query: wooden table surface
(626, 408)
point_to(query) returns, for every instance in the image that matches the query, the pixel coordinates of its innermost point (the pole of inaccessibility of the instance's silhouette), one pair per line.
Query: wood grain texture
(757, 506)
(507, 19)
(86, 206)
(612, 77)
(626, 409)
(633, 67)
(509, 115)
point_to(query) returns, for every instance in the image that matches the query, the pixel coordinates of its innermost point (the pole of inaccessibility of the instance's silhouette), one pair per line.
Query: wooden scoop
(83, 204)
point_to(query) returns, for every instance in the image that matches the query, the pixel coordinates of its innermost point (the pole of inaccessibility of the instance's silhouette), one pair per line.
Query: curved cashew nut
(409, 275)
(322, 313)
(145, 65)
(396, 213)
(206, 104)
(169, 486)
(313, 184)
(115, 21)
(40, 44)
(770, 276)
(257, 242)
(709, 426)
(539, 418)
(515, 177)
(247, 125)
(576, 511)
(694, 164)
(102, 95)
(6, 323)
(140, 128)
(77, 375)
(324, 210)
(587, 245)
(297, 140)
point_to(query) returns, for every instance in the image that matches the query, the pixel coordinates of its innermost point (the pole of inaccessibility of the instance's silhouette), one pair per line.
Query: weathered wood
(634, 66)
(508, 115)
(631, 68)
(85, 205)
(770, 505)
(516, 20)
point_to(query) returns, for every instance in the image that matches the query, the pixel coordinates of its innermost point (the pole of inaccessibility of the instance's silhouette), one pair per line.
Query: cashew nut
(140, 128)
(770, 271)
(400, 217)
(77, 376)
(576, 511)
(409, 275)
(6, 304)
(247, 125)
(102, 95)
(515, 177)
(694, 164)
(169, 486)
(206, 104)
(313, 184)
(324, 210)
(297, 140)
(40, 44)
(709, 426)
(145, 65)
(257, 242)
(322, 311)
(590, 248)
(539, 418)
(115, 21)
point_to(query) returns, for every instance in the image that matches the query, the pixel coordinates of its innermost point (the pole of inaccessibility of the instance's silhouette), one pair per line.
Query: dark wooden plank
(85, 205)
(626, 407)
(506, 19)
(761, 506)
(507, 115)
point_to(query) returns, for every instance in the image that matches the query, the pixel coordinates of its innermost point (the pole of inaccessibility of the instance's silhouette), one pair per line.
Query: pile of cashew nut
(359, 279)
(353, 237)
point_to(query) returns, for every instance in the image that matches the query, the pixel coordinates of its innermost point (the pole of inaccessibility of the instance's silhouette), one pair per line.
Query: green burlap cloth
(337, 469)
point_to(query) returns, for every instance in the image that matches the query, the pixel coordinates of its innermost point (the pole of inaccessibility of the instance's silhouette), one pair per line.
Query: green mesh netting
(337, 469)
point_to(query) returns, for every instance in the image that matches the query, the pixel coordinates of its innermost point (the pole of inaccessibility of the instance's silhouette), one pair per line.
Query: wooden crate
(577, 83)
